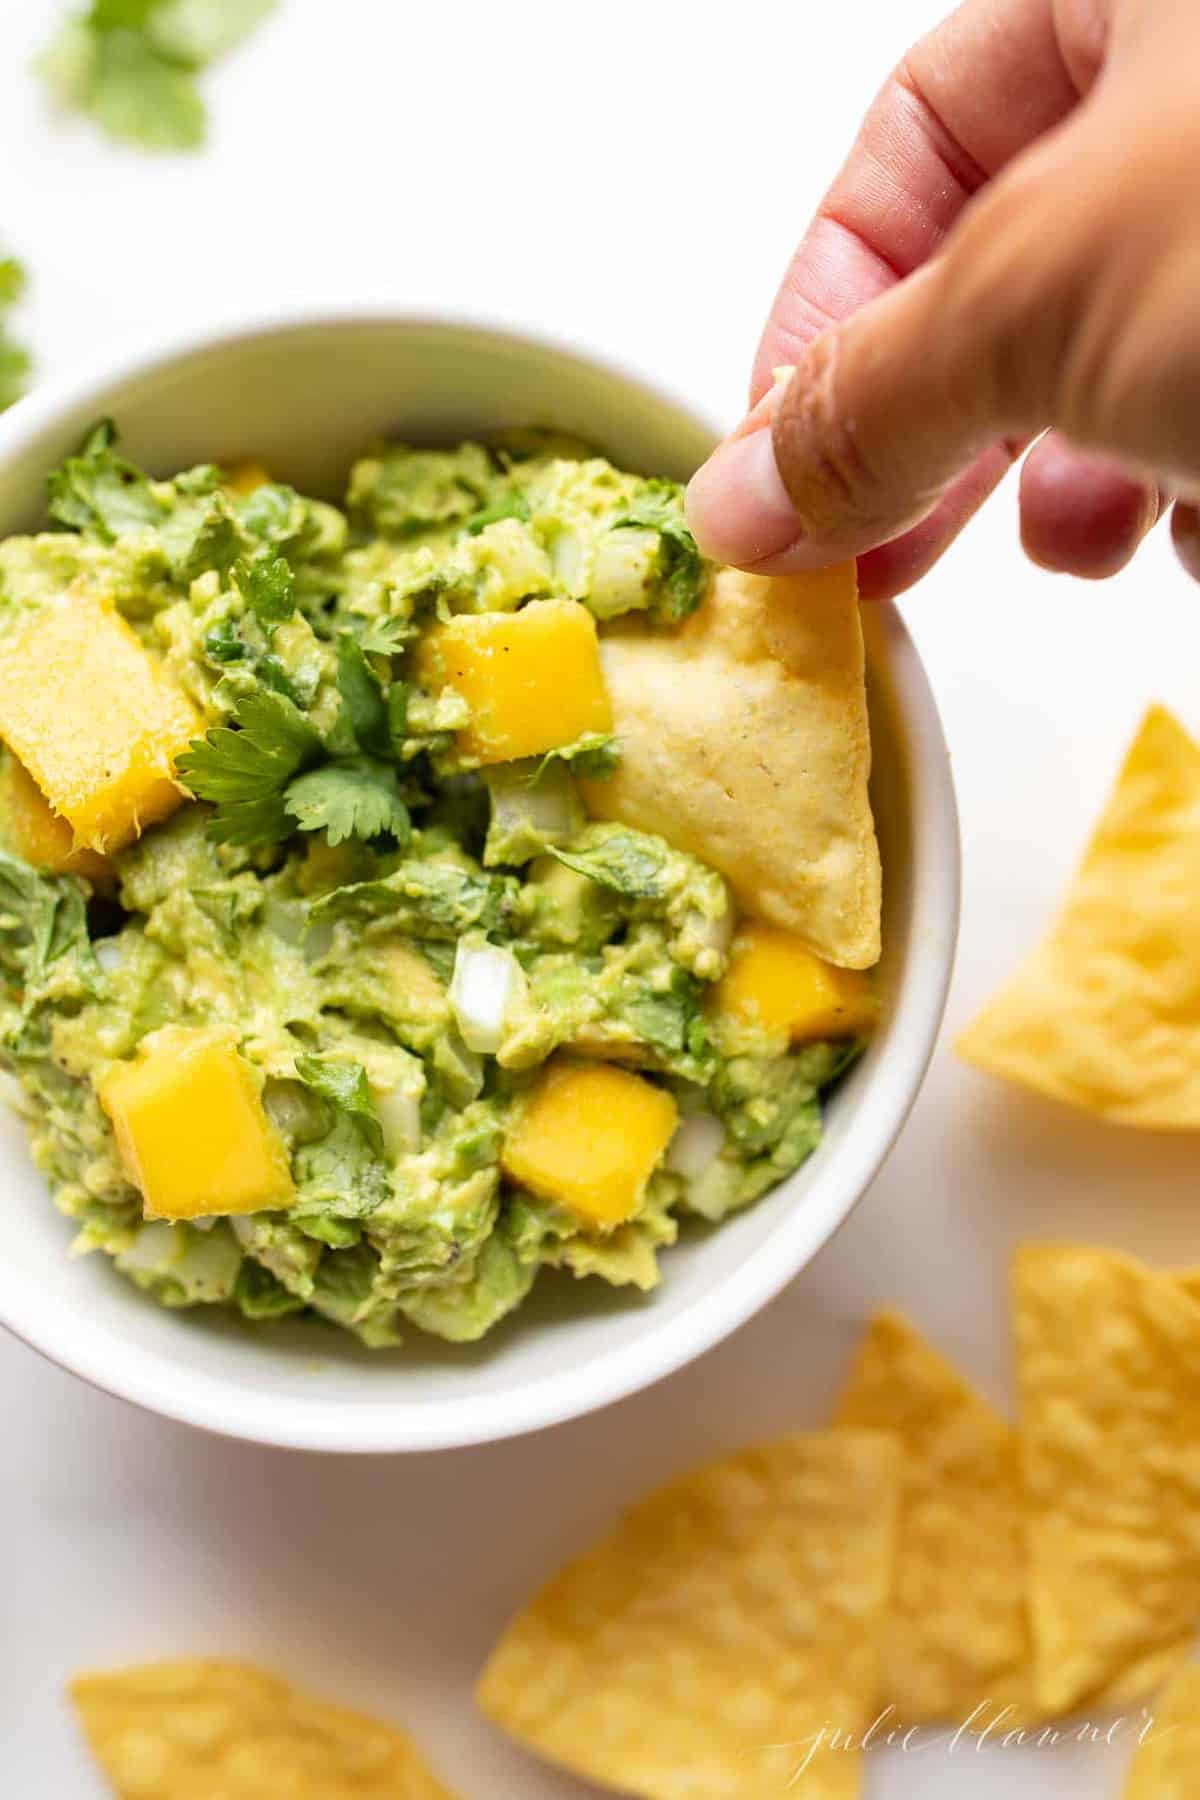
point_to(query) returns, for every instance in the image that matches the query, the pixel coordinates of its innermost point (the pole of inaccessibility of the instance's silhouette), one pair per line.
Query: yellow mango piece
(245, 477)
(34, 831)
(532, 679)
(95, 721)
(776, 985)
(191, 1127)
(589, 1138)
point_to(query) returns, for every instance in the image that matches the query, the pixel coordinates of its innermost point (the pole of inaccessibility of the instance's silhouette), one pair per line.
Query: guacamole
(369, 925)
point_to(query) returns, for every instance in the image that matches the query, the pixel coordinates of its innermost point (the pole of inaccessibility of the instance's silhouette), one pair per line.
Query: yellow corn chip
(1109, 1367)
(215, 1730)
(1167, 1766)
(710, 1645)
(958, 1635)
(1106, 1012)
(746, 742)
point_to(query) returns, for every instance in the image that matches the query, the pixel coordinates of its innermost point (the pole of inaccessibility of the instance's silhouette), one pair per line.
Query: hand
(1012, 249)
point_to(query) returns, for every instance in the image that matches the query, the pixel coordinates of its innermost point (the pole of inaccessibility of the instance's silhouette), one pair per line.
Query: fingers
(986, 83)
(1080, 514)
(1185, 533)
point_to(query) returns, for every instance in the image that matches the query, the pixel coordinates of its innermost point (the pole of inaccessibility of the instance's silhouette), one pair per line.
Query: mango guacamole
(320, 987)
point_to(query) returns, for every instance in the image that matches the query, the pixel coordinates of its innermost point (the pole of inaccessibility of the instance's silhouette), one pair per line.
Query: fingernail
(737, 505)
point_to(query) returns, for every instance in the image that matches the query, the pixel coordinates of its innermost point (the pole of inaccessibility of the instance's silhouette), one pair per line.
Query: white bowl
(304, 394)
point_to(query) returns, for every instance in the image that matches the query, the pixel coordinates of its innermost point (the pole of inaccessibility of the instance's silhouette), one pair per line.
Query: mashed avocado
(397, 932)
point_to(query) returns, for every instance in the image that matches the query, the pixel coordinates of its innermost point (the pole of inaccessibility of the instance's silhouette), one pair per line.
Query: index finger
(986, 83)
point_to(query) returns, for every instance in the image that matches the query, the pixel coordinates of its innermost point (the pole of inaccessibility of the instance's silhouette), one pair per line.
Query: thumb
(880, 415)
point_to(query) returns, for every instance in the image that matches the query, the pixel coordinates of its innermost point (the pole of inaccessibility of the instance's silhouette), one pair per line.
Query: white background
(631, 175)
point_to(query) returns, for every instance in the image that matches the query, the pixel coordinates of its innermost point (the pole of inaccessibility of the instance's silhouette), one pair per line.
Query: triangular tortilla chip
(1167, 1765)
(1108, 1357)
(726, 1624)
(205, 1728)
(1106, 1012)
(746, 742)
(957, 1644)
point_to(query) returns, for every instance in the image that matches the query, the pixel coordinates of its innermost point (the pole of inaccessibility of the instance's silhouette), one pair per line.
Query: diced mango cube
(95, 720)
(589, 1137)
(532, 678)
(246, 477)
(191, 1127)
(774, 984)
(33, 830)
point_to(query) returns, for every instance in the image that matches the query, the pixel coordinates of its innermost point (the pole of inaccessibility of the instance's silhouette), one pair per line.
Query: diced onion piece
(624, 565)
(528, 798)
(487, 987)
(152, 1249)
(285, 919)
(696, 1145)
(399, 1112)
(713, 1193)
(108, 954)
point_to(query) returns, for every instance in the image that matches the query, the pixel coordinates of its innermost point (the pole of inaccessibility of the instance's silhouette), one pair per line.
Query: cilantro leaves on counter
(15, 360)
(131, 65)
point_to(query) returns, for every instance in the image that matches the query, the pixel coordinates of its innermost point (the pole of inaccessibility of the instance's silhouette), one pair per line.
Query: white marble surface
(632, 175)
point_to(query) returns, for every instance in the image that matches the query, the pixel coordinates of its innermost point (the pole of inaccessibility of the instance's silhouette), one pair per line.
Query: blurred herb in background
(15, 360)
(131, 65)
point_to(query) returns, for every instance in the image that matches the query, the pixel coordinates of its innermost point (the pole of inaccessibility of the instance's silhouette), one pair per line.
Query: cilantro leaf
(349, 799)
(512, 506)
(244, 769)
(427, 900)
(42, 917)
(345, 1086)
(268, 588)
(15, 360)
(624, 862)
(137, 96)
(132, 64)
(96, 490)
(363, 702)
(680, 586)
(594, 757)
(197, 32)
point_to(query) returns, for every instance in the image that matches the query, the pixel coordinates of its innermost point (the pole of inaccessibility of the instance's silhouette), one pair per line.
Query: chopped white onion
(399, 1113)
(152, 1249)
(487, 987)
(696, 1145)
(713, 1193)
(526, 799)
(285, 919)
(109, 954)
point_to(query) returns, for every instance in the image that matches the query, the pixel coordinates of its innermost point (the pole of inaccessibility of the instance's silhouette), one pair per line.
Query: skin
(1010, 257)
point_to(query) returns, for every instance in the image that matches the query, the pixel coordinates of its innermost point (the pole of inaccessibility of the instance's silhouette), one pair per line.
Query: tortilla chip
(958, 1633)
(1109, 1368)
(199, 1729)
(1106, 1012)
(1167, 1766)
(746, 742)
(727, 1622)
